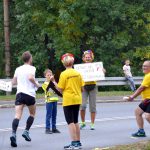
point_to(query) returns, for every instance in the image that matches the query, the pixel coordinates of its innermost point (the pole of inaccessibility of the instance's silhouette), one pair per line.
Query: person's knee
(32, 111)
(138, 112)
(18, 116)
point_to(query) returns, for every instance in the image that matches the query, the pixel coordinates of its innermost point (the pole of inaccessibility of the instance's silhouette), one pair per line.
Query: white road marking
(64, 123)
(135, 138)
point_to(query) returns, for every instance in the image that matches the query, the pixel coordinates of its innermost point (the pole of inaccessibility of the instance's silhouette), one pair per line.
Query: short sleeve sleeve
(62, 81)
(32, 70)
(146, 81)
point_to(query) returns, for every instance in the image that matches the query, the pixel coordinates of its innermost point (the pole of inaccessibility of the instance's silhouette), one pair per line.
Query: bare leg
(77, 131)
(82, 113)
(93, 114)
(139, 118)
(18, 111)
(72, 131)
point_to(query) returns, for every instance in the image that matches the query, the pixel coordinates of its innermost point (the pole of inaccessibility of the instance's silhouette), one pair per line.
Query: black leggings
(71, 113)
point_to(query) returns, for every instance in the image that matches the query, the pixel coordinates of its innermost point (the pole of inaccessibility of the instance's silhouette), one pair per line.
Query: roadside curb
(60, 103)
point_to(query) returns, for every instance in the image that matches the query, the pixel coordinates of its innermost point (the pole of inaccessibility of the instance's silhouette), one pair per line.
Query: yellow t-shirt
(146, 83)
(90, 82)
(70, 82)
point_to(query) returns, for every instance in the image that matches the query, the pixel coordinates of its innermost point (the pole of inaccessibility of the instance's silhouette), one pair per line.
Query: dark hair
(26, 56)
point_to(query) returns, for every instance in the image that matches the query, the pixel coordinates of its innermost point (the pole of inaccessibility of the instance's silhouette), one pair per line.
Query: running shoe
(79, 145)
(70, 147)
(92, 127)
(139, 134)
(82, 126)
(55, 131)
(73, 145)
(48, 131)
(26, 135)
(13, 141)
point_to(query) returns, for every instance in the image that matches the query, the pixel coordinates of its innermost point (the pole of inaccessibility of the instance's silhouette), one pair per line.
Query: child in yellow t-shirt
(51, 104)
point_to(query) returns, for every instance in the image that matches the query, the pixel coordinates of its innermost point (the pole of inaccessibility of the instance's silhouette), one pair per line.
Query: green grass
(39, 95)
(114, 93)
(12, 97)
(144, 145)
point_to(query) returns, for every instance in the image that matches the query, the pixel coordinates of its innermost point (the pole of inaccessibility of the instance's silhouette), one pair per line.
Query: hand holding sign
(91, 71)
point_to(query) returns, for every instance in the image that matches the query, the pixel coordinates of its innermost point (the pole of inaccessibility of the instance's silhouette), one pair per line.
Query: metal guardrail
(109, 81)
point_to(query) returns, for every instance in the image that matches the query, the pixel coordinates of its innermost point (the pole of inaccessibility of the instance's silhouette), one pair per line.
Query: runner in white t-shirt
(128, 74)
(24, 77)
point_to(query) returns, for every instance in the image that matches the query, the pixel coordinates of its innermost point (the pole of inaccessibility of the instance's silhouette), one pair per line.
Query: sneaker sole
(138, 135)
(73, 148)
(13, 143)
(92, 129)
(25, 137)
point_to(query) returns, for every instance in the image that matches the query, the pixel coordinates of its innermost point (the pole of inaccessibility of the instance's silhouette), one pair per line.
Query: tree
(114, 30)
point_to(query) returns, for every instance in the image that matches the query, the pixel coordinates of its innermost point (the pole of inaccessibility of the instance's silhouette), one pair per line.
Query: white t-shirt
(24, 85)
(127, 71)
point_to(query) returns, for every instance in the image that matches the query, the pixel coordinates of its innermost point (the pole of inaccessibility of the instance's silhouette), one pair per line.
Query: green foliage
(114, 30)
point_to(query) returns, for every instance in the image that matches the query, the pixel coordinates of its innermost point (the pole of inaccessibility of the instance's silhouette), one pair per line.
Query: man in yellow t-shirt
(144, 106)
(71, 85)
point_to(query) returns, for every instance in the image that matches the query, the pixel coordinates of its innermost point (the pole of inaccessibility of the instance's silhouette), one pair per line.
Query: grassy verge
(12, 97)
(107, 93)
(144, 145)
(114, 93)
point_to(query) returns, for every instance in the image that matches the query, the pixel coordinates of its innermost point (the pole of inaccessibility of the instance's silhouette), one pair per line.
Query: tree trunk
(7, 38)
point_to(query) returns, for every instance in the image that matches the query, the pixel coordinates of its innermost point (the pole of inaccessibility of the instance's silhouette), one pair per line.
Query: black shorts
(145, 106)
(71, 113)
(25, 99)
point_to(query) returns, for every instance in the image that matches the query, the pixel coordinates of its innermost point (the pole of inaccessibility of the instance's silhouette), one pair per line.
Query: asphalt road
(115, 122)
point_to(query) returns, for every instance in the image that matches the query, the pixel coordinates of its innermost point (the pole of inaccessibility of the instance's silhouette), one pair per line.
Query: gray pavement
(100, 99)
(114, 124)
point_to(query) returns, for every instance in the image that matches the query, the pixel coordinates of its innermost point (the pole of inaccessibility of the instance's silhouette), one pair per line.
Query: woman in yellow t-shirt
(71, 85)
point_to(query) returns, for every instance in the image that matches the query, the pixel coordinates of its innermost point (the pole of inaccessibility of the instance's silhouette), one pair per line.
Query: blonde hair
(67, 59)
(88, 52)
(46, 71)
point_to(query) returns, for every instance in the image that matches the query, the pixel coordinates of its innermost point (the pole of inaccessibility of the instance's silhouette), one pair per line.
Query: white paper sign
(5, 86)
(91, 71)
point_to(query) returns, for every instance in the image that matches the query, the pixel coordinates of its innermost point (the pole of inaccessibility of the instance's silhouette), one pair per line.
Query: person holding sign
(89, 91)
(71, 84)
(24, 78)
